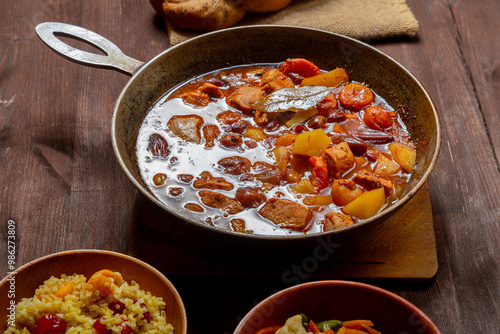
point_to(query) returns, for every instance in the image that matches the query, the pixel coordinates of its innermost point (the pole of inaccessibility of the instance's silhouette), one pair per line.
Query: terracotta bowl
(340, 300)
(28, 277)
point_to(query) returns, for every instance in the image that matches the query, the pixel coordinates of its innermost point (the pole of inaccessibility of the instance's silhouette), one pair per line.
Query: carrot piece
(298, 68)
(356, 96)
(342, 330)
(313, 327)
(353, 331)
(268, 330)
(357, 324)
(65, 290)
(370, 329)
(319, 174)
(328, 331)
(104, 281)
(286, 139)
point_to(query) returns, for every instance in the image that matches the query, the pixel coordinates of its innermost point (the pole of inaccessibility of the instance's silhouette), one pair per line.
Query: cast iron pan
(246, 45)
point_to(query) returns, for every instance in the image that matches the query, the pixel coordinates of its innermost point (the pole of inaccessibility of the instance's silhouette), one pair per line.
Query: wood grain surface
(402, 247)
(60, 182)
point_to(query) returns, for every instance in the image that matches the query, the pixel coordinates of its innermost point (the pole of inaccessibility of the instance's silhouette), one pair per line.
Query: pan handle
(114, 57)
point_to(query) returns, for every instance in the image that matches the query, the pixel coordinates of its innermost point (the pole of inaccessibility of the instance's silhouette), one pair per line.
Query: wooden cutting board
(401, 248)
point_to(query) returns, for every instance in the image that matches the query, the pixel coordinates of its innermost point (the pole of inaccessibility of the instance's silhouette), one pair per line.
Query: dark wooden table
(61, 184)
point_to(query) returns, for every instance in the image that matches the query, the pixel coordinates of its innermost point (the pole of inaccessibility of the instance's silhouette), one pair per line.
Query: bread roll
(200, 15)
(264, 6)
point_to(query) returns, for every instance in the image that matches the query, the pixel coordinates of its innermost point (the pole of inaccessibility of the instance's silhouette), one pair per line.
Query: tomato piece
(377, 118)
(147, 314)
(299, 68)
(126, 329)
(328, 105)
(101, 328)
(356, 96)
(117, 307)
(319, 174)
(50, 324)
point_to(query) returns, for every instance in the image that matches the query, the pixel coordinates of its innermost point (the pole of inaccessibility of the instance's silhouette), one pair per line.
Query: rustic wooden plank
(61, 184)
(478, 29)
(401, 248)
(466, 179)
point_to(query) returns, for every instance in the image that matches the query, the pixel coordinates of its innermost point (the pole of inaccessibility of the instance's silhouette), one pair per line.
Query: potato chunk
(187, 127)
(366, 205)
(329, 79)
(386, 166)
(311, 143)
(403, 155)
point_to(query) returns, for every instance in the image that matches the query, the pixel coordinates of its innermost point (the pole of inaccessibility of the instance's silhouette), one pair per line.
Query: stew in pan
(275, 149)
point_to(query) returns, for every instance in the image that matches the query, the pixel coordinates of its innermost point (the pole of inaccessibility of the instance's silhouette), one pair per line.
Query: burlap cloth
(361, 19)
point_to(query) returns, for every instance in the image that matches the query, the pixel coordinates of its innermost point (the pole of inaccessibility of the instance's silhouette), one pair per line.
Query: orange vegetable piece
(65, 290)
(370, 329)
(352, 331)
(299, 68)
(105, 281)
(329, 79)
(377, 118)
(357, 324)
(342, 330)
(313, 327)
(268, 330)
(328, 105)
(356, 96)
(319, 173)
(328, 331)
(286, 139)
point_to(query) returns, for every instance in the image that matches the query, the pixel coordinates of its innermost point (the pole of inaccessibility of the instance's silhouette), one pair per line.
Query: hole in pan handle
(114, 58)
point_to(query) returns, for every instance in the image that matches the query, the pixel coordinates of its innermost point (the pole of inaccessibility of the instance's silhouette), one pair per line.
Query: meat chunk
(260, 117)
(239, 225)
(370, 181)
(273, 80)
(339, 159)
(211, 90)
(210, 133)
(231, 141)
(219, 201)
(240, 127)
(345, 191)
(286, 214)
(187, 127)
(228, 117)
(158, 146)
(207, 181)
(267, 173)
(335, 220)
(250, 197)
(235, 165)
(196, 99)
(244, 97)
